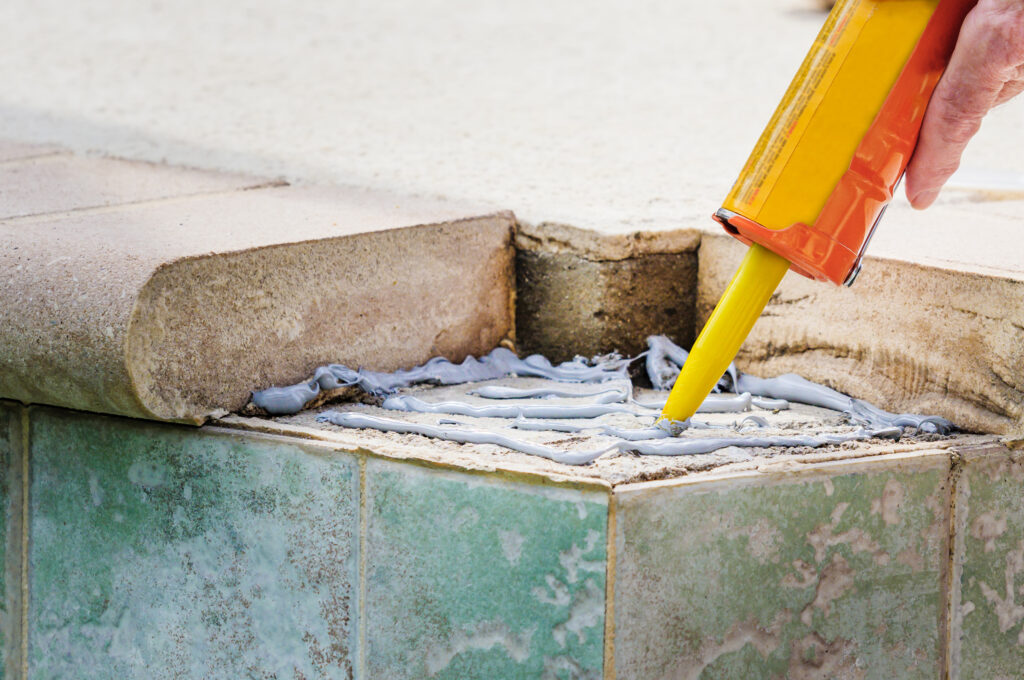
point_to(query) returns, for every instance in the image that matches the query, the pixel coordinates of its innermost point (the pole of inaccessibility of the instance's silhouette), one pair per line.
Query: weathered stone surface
(580, 292)
(11, 535)
(175, 310)
(59, 182)
(165, 552)
(479, 577)
(987, 636)
(907, 336)
(836, 572)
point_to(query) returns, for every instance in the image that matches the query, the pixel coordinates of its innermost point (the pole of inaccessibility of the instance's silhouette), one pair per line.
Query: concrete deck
(611, 115)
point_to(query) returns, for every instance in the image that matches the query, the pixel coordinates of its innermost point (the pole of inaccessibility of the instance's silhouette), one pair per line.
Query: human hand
(986, 69)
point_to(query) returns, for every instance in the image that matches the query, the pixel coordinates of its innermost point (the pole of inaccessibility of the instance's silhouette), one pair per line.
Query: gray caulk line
(713, 403)
(405, 402)
(499, 363)
(671, 446)
(794, 388)
(663, 361)
(610, 396)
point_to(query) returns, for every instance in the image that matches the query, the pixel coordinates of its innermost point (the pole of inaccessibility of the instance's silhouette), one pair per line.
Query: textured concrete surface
(176, 309)
(583, 293)
(165, 552)
(988, 577)
(835, 573)
(613, 114)
(471, 576)
(908, 337)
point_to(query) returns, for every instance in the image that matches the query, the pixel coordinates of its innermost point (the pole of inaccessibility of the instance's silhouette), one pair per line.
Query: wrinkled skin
(986, 70)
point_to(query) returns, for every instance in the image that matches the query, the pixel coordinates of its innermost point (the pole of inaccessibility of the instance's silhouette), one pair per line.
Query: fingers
(981, 74)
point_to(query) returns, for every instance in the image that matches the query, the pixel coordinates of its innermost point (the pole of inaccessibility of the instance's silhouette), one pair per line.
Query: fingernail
(924, 199)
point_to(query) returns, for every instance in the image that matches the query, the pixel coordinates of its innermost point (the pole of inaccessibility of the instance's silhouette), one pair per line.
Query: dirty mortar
(614, 467)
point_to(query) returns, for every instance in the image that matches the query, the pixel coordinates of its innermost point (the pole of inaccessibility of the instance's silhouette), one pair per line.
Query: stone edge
(149, 411)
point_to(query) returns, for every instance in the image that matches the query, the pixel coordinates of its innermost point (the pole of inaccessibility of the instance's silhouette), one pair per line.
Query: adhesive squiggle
(612, 396)
(666, 446)
(663, 362)
(795, 388)
(499, 363)
(712, 404)
(405, 402)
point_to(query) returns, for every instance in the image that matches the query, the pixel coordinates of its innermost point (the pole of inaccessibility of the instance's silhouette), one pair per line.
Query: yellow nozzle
(716, 346)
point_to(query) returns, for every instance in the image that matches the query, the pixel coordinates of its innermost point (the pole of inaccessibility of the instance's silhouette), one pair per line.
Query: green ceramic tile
(164, 551)
(475, 577)
(785, 575)
(988, 621)
(11, 445)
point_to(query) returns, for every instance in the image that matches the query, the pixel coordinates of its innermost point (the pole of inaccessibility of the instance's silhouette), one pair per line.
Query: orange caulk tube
(822, 173)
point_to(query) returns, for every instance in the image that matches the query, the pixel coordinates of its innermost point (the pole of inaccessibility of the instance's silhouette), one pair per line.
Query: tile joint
(25, 484)
(951, 597)
(609, 593)
(361, 591)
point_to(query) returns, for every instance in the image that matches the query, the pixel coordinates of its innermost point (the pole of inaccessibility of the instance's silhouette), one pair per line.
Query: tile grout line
(361, 593)
(609, 591)
(24, 540)
(561, 480)
(951, 603)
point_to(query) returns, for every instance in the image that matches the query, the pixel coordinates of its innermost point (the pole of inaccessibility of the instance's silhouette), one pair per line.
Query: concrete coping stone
(169, 293)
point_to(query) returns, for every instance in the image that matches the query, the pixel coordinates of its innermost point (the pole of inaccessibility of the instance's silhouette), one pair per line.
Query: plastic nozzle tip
(726, 329)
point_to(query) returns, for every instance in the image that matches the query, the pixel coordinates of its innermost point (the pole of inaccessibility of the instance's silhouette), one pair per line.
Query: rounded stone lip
(188, 366)
(175, 309)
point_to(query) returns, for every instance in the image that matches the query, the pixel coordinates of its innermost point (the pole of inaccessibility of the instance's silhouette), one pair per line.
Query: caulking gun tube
(826, 165)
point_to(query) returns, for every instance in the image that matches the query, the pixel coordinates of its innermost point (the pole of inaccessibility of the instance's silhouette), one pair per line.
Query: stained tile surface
(988, 621)
(470, 577)
(835, 576)
(167, 552)
(10, 537)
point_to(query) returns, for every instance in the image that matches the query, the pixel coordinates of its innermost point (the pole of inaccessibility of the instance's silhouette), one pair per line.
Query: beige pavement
(617, 115)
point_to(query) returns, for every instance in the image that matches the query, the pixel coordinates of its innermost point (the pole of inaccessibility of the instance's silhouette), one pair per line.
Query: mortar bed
(613, 468)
